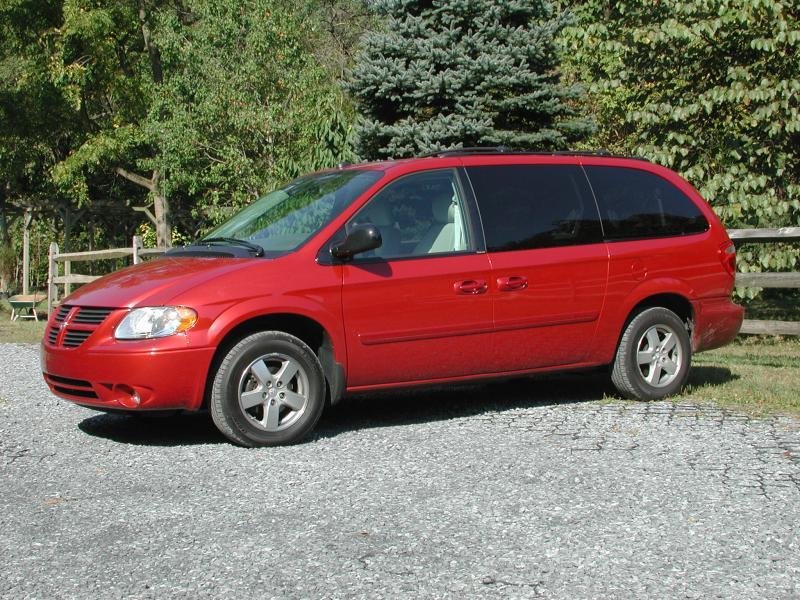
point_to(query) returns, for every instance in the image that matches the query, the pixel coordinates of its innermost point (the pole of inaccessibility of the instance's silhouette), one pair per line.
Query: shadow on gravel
(391, 408)
(172, 430)
(421, 405)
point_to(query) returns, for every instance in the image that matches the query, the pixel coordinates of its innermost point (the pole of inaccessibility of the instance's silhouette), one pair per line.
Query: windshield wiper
(255, 248)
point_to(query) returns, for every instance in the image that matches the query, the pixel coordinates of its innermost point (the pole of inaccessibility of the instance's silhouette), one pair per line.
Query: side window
(417, 215)
(535, 206)
(638, 204)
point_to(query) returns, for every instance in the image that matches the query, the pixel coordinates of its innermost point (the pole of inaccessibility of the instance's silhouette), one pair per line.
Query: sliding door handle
(512, 283)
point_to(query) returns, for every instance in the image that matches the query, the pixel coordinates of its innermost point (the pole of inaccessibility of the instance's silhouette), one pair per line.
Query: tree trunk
(161, 219)
(161, 210)
(6, 250)
(152, 49)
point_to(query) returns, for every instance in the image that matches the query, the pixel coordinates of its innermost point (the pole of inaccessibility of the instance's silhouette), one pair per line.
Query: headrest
(443, 209)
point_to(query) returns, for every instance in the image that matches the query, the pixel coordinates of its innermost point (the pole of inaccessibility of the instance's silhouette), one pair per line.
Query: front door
(417, 309)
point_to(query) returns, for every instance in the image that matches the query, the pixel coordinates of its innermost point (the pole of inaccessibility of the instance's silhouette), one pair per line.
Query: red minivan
(463, 265)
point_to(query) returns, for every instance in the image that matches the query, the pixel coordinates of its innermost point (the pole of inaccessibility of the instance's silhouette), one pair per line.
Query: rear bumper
(170, 379)
(716, 322)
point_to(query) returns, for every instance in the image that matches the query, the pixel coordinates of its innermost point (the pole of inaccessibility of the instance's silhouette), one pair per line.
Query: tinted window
(638, 204)
(535, 206)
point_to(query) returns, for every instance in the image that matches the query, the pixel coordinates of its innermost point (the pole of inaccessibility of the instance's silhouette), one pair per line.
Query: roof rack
(468, 150)
(508, 150)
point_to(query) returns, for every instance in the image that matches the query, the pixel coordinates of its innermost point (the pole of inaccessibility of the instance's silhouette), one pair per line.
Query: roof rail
(508, 150)
(469, 150)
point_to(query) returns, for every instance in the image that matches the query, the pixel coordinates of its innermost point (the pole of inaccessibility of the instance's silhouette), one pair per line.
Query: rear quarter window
(638, 204)
(535, 206)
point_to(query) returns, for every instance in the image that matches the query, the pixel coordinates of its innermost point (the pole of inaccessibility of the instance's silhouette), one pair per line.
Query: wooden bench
(23, 306)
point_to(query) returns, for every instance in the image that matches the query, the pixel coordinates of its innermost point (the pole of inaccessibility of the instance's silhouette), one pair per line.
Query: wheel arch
(674, 301)
(308, 330)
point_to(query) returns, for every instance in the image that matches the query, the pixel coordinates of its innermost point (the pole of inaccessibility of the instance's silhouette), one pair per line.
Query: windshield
(286, 218)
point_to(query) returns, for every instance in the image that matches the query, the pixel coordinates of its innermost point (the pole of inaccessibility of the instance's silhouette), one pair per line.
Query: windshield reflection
(285, 219)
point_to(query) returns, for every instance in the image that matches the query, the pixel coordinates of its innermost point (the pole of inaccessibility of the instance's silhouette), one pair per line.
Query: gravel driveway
(527, 488)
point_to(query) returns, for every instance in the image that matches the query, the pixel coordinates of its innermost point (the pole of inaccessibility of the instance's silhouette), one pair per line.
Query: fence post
(137, 245)
(67, 273)
(26, 253)
(52, 273)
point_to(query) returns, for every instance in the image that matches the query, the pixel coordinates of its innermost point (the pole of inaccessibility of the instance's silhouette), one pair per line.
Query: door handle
(470, 287)
(511, 283)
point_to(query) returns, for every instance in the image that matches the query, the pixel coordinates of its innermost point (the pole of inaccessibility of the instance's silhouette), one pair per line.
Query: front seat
(380, 214)
(440, 236)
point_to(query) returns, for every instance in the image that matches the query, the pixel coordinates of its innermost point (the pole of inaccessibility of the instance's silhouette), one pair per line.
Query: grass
(24, 331)
(759, 375)
(755, 374)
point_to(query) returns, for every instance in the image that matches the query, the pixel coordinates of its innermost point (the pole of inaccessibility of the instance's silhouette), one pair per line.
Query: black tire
(249, 374)
(652, 380)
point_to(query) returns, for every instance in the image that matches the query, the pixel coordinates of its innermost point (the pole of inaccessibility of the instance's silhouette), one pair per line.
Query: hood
(154, 283)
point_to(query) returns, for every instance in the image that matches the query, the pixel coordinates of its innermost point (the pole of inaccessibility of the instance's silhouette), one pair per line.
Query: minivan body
(430, 270)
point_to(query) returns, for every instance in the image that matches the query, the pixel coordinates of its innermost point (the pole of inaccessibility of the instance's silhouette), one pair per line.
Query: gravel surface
(522, 489)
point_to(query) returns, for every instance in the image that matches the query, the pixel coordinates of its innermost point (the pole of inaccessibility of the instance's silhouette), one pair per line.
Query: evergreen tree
(447, 73)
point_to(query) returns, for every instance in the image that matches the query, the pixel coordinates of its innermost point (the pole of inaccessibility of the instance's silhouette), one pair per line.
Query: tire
(653, 357)
(269, 390)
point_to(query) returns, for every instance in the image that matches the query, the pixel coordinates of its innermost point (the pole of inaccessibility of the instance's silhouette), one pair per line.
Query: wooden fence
(767, 280)
(67, 278)
(739, 236)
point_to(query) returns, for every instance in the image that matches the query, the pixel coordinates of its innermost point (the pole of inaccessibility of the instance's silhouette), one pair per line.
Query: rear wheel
(269, 390)
(653, 357)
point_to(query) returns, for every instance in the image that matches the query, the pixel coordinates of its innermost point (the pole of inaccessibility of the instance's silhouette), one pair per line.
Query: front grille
(92, 316)
(77, 388)
(80, 321)
(62, 313)
(75, 337)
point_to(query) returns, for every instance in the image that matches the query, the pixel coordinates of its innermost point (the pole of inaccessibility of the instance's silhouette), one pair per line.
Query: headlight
(155, 322)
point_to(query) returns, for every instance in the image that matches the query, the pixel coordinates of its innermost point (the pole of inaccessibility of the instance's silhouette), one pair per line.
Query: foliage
(710, 89)
(244, 104)
(225, 99)
(473, 72)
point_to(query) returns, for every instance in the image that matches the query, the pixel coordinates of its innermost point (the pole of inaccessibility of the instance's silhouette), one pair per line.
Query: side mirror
(360, 239)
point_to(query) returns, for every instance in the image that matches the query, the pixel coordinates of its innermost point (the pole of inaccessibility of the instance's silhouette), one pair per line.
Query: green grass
(24, 331)
(759, 375)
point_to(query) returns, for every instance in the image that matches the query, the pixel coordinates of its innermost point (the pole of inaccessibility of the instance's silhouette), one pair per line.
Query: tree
(710, 89)
(446, 73)
(33, 119)
(244, 105)
(204, 104)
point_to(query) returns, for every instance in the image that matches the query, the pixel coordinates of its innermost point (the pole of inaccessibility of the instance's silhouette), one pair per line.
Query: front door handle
(470, 287)
(511, 283)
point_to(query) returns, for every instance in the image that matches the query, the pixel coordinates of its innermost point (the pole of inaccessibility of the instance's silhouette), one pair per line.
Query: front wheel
(269, 390)
(653, 356)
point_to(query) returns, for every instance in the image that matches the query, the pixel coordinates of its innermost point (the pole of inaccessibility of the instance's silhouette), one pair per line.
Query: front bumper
(128, 380)
(716, 322)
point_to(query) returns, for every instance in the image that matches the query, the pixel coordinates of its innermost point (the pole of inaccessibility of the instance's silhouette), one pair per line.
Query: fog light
(127, 396)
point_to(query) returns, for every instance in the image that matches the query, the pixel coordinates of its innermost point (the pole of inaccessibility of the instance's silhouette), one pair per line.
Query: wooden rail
(68, 278)
(767, 280)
